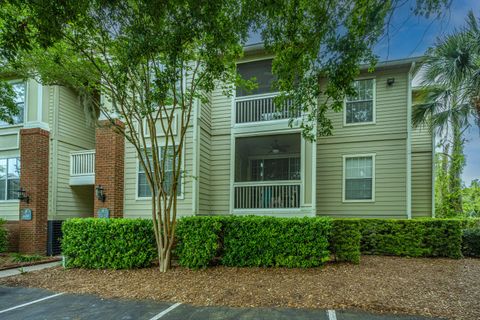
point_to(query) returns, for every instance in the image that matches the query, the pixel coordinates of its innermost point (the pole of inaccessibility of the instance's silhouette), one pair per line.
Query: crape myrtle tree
(146, 62)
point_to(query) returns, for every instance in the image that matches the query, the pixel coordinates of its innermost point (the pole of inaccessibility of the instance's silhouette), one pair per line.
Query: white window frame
(6, 180)
(374, 106)
(180, 196)
(347, 156)
(25, 103)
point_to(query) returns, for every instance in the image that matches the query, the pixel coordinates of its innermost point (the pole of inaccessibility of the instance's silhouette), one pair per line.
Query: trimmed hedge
(413, 238)
(281, 242)
(471, 243)
(345, 240)
(108, 243)
(198, 241)
(3, 236)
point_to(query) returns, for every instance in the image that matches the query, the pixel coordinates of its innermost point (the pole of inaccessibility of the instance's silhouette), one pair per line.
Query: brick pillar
(34, 152)
(109, 168)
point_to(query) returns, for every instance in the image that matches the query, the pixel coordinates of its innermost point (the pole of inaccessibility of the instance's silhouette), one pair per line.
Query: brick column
(34, 152)
(109, 168)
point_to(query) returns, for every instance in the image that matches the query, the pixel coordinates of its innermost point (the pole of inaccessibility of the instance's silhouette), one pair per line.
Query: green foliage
(280, 242)
(413, 238)
(108, 243)
(471, 242)
(18, 257)
(471, 199)
(198, 241)
(3, 236)
(345, 240)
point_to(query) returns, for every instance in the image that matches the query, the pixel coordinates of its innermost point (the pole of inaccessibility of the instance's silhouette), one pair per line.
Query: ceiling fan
(275, 147)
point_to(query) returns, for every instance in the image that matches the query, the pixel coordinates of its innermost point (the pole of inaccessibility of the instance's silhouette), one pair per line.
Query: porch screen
(261, 71)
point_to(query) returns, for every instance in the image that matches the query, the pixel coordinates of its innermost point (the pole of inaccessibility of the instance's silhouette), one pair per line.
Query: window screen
(359, 108)
(358, 178)
(9, 178)
(261, 71)
(19, 89)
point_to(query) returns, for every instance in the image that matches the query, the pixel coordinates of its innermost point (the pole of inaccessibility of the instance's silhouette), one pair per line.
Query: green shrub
(108, 243)
(198, 241)
(345, 240)
(471, 242)
(3, 236)
(18, 257)
(414, 238)
(280, 242)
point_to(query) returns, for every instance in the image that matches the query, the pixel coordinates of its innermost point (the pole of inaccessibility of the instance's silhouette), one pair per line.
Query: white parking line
(331, 315)
(31, 302)
(164, 312)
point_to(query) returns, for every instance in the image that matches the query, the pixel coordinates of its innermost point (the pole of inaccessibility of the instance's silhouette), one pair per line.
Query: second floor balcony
(261, 108)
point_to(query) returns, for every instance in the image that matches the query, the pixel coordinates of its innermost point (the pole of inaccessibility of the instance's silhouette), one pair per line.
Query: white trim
(409, 143)
(7, 158)
(36, 124)
(254, 59)
(11, 134)
(345, 157)
(374, 106)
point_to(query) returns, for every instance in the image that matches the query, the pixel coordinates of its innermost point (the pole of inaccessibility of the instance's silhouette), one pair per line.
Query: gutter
(409, 141)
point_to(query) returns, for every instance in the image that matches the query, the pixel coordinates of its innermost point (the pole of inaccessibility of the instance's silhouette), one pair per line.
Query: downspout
(409, 142)
(196, 158)
(433, 174)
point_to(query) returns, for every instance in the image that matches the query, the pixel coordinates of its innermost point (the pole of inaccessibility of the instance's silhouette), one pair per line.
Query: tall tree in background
(154, 62)
(450, 68)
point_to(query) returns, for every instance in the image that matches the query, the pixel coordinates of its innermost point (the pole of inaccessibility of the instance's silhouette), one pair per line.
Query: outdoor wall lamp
(99, 193)
(390, 81)
(22, 195)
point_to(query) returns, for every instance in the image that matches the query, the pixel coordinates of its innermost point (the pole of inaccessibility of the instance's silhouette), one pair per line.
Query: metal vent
(54, 237)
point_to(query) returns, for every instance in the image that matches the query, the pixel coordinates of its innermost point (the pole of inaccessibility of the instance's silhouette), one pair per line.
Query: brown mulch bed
(429, 287)
(7, 261)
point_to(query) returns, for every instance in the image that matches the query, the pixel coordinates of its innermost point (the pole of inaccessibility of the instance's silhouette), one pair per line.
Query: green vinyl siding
(421, 172)
(69, 132)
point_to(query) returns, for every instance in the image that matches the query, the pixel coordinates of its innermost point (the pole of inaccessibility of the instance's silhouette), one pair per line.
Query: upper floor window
(359, 173)
(19, 89)
(143, 189)
(9, 178)
(262, 72)
(360, 108)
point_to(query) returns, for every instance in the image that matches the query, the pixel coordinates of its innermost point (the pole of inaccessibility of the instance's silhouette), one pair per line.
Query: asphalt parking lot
(30, 303)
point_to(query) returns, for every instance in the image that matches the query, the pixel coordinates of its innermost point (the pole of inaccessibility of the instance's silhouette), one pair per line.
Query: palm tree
(451, 98)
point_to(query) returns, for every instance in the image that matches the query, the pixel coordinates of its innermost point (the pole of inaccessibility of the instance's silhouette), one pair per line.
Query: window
(361, 107)
(261, 71)
(143, 189)
(9, 178)
(19, 89)
(359, 176)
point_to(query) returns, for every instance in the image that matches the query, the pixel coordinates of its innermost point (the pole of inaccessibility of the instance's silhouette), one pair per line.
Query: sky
(411, 36)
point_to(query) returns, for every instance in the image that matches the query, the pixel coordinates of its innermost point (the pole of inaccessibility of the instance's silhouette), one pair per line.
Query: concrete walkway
(19, 270)
(30, 303)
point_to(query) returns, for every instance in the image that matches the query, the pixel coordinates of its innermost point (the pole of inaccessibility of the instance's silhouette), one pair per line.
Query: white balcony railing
(82, 167)
(262, 108)
(267, 195)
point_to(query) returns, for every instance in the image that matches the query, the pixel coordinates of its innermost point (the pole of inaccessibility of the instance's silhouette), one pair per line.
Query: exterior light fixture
(22, 195)
(99, 193)
(390, 81)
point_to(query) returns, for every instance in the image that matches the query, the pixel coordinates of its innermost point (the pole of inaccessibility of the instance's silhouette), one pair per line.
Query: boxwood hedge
(108, 243)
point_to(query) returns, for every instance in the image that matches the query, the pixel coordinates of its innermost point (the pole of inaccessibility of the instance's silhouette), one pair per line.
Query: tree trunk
(456, 168)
